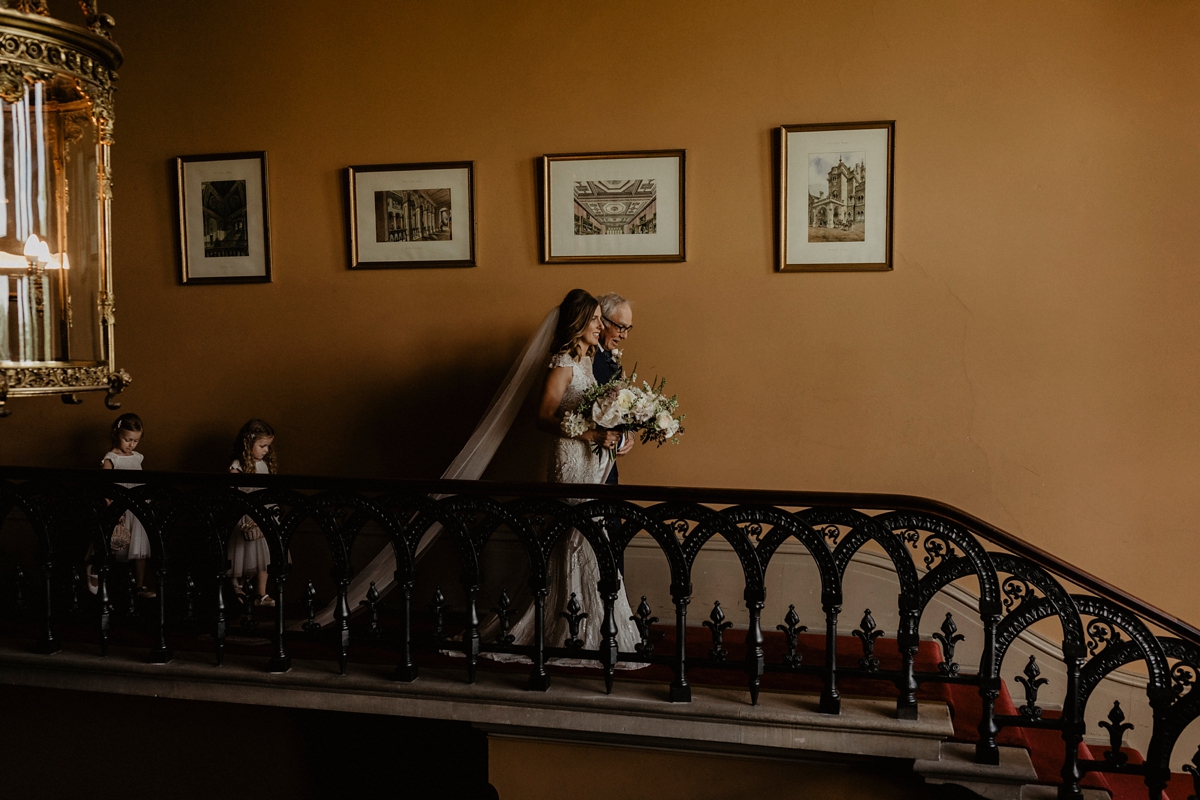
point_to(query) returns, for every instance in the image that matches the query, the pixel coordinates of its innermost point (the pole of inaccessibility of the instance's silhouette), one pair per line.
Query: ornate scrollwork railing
(930, 547)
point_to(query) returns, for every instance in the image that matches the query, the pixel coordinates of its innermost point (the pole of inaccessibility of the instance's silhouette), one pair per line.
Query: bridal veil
(474, 457)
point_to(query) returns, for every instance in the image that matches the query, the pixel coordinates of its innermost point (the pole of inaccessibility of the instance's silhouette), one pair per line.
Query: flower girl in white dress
(126, 434)
(249, 556)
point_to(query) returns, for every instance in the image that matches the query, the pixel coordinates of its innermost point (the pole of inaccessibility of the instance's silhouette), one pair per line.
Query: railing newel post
(280, 661)
(539, 679)
(161, 654)
(48, 644)
(1072, 731)
(470, 638)
(1158, 774)
(341, 615)
(831, 699)
(608, 641)
(406, 670)
(755, 657)
(987, 751)
(105, 608)
(908, 640)
(681, 690)
(220, 624)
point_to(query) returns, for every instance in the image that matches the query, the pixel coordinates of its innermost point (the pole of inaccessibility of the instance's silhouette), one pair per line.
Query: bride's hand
(602, 437)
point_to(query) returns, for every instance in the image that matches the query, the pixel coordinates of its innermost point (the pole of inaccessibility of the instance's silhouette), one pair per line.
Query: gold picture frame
(224, 218)
(411, 215)
(613, 207)
(833, 214)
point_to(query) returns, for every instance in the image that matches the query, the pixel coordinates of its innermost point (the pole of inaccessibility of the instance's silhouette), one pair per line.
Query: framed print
(835, 197)
(613, 207)
(224, 219)
(411, 215)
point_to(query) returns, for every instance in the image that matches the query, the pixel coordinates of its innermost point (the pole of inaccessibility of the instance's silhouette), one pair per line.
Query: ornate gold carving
(64, 380)
(104, 182)
(12, 83)
(97, 23)
(28, 57)
(101, 98)
(19, 379)
(107, 308)
(117, 381)
(39, 298)
(73, 126)
(32, 7)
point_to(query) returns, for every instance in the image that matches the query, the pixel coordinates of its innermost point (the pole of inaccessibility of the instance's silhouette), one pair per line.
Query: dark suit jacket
(604, 368)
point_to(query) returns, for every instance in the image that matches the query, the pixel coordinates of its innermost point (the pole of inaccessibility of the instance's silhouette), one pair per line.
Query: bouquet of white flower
(622, 405)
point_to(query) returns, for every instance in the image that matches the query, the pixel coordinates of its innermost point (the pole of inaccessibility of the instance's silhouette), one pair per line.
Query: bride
(576, 340)
(573, 569)
(570, 334)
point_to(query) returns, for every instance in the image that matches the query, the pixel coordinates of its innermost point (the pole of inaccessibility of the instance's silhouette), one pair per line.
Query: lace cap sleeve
(561, 360)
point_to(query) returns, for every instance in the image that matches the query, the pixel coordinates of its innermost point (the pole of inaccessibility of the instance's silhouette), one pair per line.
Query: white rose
(608, 416)
(672, 429)
(625, 399)
(644, 409)
(666, 423)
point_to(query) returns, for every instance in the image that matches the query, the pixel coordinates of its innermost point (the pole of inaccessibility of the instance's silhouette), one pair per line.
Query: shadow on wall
(208, 450)
(420, 425)
(408, 427)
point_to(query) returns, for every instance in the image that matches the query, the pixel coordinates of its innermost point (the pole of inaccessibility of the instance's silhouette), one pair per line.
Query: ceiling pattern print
(615, 203)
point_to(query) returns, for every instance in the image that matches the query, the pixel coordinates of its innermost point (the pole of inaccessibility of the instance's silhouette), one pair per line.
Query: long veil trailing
(474, 457)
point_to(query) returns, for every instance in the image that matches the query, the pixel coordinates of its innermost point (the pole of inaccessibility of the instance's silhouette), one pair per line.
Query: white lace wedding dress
(573, 568)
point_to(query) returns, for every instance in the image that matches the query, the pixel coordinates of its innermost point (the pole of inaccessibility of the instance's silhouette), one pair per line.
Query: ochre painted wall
(1032, 358)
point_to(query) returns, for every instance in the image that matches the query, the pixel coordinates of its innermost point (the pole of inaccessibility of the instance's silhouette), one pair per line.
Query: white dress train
(471, 461)
(573, 568)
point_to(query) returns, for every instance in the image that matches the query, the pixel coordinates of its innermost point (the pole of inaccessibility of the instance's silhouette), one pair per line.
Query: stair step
(1003, 781)
(1051, 793)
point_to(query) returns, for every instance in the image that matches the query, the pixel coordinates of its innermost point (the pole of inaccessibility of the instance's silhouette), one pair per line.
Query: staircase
(964, 616)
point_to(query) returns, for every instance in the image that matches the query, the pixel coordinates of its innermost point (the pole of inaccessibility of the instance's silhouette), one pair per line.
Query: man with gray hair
(617, 316)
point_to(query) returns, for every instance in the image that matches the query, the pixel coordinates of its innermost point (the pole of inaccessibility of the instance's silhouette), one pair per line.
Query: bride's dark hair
(574, 314)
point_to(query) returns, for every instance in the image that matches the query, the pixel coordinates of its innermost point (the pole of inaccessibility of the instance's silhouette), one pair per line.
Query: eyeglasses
(620, 328)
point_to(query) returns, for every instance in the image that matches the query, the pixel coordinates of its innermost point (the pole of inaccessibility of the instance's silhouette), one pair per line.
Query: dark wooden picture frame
(847, 226)
(579, 190)
(415, 225)
(228, 219)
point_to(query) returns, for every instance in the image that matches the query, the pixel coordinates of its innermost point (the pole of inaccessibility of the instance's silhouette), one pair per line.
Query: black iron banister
(930, 545)
(702, 495)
